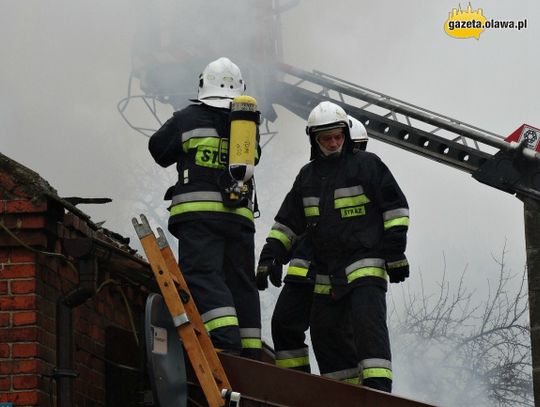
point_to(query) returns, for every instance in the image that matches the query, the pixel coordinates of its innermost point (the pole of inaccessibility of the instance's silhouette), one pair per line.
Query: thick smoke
(65, 67)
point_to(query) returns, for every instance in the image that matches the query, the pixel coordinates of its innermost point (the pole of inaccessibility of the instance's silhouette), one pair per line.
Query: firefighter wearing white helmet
(220, 82)
(290, 319)
(350, 209)
(359, 134)
(214, 227)
(327, 119)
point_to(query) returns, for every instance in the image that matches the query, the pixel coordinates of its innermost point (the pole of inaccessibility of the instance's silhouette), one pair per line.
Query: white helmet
(359, 134)
(326, 116)
(220, 82)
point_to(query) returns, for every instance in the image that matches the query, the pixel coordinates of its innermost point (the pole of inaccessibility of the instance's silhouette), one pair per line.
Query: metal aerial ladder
(490, 159)
(511, 165)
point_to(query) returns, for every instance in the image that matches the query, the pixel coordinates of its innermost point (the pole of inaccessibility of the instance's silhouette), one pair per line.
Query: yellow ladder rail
(186, 318)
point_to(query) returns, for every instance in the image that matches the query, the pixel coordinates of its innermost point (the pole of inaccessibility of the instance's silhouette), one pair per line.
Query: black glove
(397, 268)
(269, 268)
(269, 265)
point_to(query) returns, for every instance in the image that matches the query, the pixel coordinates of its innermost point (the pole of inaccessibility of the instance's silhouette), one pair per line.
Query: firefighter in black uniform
(290, 319)
(357, 218)
(215, 234)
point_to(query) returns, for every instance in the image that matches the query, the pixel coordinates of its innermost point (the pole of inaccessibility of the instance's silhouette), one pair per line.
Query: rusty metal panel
(263, 384)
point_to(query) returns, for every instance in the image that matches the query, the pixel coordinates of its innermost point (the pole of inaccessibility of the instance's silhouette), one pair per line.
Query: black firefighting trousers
(350, 337)
(290, 321)
(217, 261)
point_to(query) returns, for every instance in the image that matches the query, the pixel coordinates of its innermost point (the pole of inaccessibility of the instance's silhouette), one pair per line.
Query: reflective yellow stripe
(220, 323)
(251, 343)
(322, 289)
(204, 141)
(396, 264)
(209, 207)
(293, 362)
(282, 237)
(352, 380)
(297, 271)
(311, 211)
(367, 272)
(350, 201)
(403, 221)
(375, 372)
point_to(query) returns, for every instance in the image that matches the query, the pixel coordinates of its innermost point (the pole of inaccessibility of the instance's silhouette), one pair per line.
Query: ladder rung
(186, 318)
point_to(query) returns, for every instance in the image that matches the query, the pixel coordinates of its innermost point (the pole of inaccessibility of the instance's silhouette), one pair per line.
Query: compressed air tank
(243, 138)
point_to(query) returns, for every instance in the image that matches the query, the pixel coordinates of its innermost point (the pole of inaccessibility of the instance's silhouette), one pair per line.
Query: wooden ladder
(186, 318)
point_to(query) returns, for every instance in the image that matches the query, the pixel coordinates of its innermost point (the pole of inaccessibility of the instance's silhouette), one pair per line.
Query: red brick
(25, 206)
(97, 334)
(24, 318)
(47, 355)
(25, 382)
(17, 271)
(18, 335)
(4, 350)
(5, 383)
(21, 398)
(46, 307)
(18, 302)
(82, 326)
(46, 339)
(25, 221)
(46, 323)
(18, 366)
(22, 255)
(23, 286)
(7, 182)
(4, 255)
(31, 237)
(4, 319)
(24, 350)
(3, 287)
(33, 222)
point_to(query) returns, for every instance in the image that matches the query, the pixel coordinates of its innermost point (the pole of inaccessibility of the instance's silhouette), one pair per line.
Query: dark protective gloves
(397, 268)
(269, 266)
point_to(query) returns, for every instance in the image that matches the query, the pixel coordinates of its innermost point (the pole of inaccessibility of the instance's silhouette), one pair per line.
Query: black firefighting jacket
(356, 215)
(196, 139)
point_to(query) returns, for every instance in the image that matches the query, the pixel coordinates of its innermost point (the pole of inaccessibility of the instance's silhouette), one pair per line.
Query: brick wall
(30, 286)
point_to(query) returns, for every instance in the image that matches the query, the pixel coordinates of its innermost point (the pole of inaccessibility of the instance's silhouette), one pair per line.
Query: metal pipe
(532, 242)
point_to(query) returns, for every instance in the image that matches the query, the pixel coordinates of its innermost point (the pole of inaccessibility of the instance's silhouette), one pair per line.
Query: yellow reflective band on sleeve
(367, 272)
(352, 380)
(282, 237)
(311, 211)
(297, 271)
(396, 264)
(403, 221)
(322, 289)
(350, 201)
(376, 372)
(251, 343)
(293, 362)
(209, 207)
(200, 141)
(220, 323)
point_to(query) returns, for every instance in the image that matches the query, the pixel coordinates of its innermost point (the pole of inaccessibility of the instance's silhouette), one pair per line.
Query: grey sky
(66, 64)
